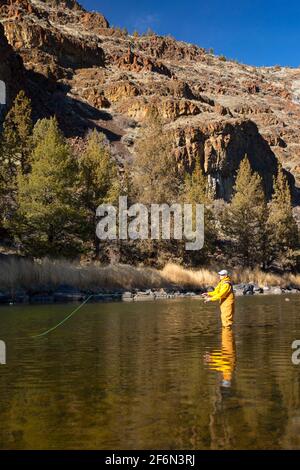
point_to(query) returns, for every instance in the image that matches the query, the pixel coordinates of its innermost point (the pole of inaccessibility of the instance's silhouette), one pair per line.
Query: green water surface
(151, 375)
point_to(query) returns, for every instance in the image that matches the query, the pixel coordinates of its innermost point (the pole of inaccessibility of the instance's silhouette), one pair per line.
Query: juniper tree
(195, 191)
(99, 182)
(156, 180)
(244, 220)
(284, 235)
(155, 171)
(195, 186)
(47, 218)
(15, 150)
(16, 144)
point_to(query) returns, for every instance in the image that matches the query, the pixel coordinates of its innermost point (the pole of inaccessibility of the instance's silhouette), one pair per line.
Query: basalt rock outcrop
(92, 75)
(138, 63)
(220, 147)
(11, 72)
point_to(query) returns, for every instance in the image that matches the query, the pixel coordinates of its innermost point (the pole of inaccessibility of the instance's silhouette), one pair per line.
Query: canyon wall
(72, 63)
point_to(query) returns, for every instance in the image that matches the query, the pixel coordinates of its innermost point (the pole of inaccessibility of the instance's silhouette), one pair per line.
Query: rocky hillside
(11, 71)
(92, 75)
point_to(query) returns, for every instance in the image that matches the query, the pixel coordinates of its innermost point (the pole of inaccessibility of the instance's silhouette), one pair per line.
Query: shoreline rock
(68, 294)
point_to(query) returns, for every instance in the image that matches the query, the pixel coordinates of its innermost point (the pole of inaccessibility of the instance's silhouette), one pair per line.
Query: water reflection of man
(224, 360)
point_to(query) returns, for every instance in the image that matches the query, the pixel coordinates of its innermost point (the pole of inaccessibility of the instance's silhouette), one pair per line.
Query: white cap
(223, 272)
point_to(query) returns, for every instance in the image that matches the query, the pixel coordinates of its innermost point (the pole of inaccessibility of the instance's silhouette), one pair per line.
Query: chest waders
(227, 307)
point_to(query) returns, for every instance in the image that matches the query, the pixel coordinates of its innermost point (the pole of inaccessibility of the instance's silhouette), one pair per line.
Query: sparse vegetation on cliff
(56, 191)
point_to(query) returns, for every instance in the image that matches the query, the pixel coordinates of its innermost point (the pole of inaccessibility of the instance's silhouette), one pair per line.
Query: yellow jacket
(222, 291)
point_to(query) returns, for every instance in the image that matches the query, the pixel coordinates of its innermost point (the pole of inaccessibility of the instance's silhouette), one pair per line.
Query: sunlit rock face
(220, 146)
(91, 74)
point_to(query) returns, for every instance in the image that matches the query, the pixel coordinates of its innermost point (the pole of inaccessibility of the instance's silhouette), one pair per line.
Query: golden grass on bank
(294, 279)
(21, 273)
(205, 277)
(188, 277)
(256, 276)
(265, 279)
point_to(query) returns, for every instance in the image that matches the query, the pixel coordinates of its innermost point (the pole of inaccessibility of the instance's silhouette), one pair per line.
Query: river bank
(67, 294)
(47, 281)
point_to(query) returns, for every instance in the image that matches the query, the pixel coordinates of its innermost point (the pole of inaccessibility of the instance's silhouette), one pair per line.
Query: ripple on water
(151, 375)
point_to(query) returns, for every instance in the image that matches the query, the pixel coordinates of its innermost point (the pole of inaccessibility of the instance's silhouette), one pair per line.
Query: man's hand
(204, 295)
(206, 358)
(207, 299)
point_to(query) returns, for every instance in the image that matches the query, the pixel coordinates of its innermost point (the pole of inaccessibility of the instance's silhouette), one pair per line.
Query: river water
(151, 375)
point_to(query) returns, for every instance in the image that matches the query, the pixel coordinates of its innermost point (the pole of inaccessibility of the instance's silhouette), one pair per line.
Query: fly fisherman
(224, 293)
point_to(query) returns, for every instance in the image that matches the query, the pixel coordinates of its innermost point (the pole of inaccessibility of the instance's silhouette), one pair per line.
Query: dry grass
(256, 276)
(188, 277)
(205, 277)
(25, 274)
(22, 273)
(265, 279)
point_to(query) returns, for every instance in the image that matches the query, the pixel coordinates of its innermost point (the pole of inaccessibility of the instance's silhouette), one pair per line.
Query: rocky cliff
(11, 72)
(92, 75)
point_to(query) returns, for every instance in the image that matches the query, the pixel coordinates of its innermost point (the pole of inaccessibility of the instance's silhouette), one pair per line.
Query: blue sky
(258, 32)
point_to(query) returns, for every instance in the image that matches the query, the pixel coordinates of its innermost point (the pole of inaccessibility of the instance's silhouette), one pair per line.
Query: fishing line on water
(64, 320)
